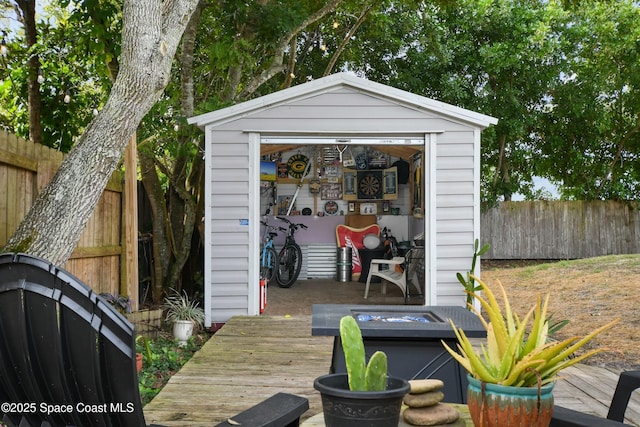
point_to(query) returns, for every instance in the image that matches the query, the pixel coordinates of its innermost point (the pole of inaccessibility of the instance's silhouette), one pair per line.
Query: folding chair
(61, 344)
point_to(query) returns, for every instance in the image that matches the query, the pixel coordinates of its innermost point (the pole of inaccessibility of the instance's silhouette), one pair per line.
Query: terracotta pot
(139, 362)
(492, 405)
(345, 408)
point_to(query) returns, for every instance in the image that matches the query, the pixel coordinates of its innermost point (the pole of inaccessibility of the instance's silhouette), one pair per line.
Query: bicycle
(268, 253)
(290, 256)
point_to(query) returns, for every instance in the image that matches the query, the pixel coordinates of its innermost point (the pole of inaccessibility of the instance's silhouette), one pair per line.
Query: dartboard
(369, 186)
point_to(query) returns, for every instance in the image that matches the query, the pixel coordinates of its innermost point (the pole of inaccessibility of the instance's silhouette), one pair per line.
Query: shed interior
(324, 197)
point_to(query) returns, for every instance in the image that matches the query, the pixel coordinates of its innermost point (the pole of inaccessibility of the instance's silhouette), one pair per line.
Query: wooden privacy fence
(25, 168)
(561, 229)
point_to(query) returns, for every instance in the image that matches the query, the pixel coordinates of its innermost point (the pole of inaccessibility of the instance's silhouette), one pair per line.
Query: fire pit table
(410, 336)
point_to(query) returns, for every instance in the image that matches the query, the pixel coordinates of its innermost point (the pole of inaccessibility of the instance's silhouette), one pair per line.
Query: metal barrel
(343, 264)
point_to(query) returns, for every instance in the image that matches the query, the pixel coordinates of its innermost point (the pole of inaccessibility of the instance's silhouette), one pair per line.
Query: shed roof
(342, 80)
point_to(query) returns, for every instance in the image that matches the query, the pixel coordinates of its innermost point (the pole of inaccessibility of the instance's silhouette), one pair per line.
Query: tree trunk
(28, 17)
(173, 215)
(150, 34)
(159, 244)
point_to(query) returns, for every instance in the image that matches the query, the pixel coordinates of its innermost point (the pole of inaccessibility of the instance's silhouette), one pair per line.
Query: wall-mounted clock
(369, 184)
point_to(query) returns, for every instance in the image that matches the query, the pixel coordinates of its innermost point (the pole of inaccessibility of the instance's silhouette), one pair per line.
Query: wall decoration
(418, 185)
(368, 208)
(385, 206)
(352, 206)
(314, 186)
(330, 191)
(370, 185)
(331, 208)
(297, 165)
(390, 181)
(331, 170)
(283, 204)
(267, 171)
(283, 172)
(379, 184)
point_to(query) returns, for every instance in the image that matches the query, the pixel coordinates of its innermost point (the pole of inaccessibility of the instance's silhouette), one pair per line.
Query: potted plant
(514, 372)
(365, 395)
(185, 315)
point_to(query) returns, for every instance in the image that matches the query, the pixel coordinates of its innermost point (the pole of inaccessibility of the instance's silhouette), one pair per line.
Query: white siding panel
(453, 226)
(454, 200)
(340, 97)
(219, 265)
(455, 175)
(226, 162)
(230, 251)
(456, 238)
(455, 149)
(225, 146)
(226, 278)
(235, 200)
(344, 125)
(457, 188)
(225, 296)
(232, 188)
(229, 212)
(454, 213)
(455, 163)
(223, 176)
(340, 112)
(460, 251)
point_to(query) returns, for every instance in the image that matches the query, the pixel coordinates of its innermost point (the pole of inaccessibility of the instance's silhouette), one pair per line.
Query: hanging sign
(297, 165)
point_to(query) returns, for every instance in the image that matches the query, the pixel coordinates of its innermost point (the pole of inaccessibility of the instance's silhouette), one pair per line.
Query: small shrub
(162, 358)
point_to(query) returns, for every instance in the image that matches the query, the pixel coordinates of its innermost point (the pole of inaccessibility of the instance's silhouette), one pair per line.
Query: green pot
(493, 405)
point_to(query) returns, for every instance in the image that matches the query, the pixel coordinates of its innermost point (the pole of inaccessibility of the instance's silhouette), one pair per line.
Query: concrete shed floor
(299, 298)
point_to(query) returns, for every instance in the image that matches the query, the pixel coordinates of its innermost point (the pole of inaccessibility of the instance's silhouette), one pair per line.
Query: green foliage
(161, 359)
(68, 66)
(179, 307)
(362, 376)
(469, 282)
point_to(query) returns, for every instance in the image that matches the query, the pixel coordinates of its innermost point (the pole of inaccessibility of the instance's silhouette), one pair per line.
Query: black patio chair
(67, 357)
(627, 383)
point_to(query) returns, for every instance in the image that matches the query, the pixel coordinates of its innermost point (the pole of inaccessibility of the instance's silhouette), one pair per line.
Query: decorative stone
(424, 399)
(425, 385)
(440, 413)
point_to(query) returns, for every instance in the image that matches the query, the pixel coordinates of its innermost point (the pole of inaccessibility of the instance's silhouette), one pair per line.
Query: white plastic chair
(408, 273)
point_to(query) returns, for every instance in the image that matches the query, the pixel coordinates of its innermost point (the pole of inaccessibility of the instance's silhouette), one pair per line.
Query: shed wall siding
(455, 198)
(228, 238)
(359, 112)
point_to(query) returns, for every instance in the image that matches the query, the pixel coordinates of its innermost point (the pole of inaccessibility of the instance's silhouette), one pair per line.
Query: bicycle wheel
(268, 263)
(290, 264)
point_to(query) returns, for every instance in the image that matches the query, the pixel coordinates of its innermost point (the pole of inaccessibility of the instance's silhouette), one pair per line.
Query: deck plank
(248, 360)
(252, 358)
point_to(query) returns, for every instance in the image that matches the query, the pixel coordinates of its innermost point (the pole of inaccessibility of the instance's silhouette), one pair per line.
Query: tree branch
(277, 65)
(347, 37)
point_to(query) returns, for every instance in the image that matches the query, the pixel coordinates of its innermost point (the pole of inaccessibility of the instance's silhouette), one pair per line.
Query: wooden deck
(251, 358)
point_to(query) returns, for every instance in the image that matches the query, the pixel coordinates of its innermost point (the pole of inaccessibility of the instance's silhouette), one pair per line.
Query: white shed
(340, 111)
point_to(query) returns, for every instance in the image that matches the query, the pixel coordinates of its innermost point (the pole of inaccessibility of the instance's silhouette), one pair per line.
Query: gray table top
(326, 321)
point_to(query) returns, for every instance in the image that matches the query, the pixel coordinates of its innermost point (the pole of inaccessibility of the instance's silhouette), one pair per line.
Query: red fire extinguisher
(263, 295)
